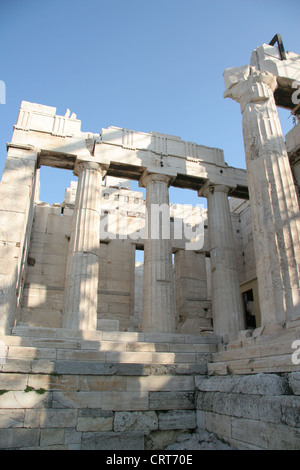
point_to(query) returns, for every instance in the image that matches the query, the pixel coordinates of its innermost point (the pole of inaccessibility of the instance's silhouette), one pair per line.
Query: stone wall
(42, 300)
(252, 411)
(241, 218)
(116, 282)
(242, 229)
(65, 389)
(193, 307)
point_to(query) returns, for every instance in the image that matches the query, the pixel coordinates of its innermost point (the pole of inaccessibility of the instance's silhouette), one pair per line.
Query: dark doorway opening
(249, 309)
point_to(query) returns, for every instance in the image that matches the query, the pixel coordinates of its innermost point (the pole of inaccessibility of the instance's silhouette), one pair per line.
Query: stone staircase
(259, 352)
(105, 390)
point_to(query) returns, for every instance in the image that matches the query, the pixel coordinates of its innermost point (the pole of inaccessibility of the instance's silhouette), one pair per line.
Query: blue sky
(148, 65)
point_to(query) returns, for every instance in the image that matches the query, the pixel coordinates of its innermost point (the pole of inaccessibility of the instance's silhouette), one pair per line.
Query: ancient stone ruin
(201, 338)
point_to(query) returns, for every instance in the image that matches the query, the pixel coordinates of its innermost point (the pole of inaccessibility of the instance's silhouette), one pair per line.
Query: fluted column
(273, 199)
(81, 286)
(228, 315)
(158, 295)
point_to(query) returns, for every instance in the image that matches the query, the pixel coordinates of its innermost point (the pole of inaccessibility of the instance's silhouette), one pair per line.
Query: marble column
(228, 314)
(158, 294)
(81, 286)
(273, 198)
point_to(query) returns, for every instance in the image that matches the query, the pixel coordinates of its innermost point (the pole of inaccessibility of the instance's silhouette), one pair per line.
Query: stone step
(110, 356)
(268, 364)
(262, 354)
(105, 345)
(68, 367)
(30, 343)
(113, 336)
(34, 353)
(87, 386)
(113, 355)
(260, 347)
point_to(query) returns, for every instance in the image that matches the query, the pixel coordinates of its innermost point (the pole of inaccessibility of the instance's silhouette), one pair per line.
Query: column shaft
(273, 198)
(228, 313)
(158, 293)
(80, 307)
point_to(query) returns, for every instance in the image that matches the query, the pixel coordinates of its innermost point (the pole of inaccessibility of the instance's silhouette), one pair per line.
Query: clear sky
(147, 65)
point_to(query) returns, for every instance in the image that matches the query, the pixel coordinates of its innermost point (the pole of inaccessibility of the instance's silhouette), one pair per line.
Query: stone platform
(65, 389)
(260, 351)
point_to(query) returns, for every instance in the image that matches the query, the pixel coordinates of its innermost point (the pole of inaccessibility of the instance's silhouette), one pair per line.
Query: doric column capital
(210, 188)
(249, 86)
(80, 166)
(148, 178)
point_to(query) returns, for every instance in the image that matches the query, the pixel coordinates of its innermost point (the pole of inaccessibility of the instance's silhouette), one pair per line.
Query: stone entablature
(190, 165)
